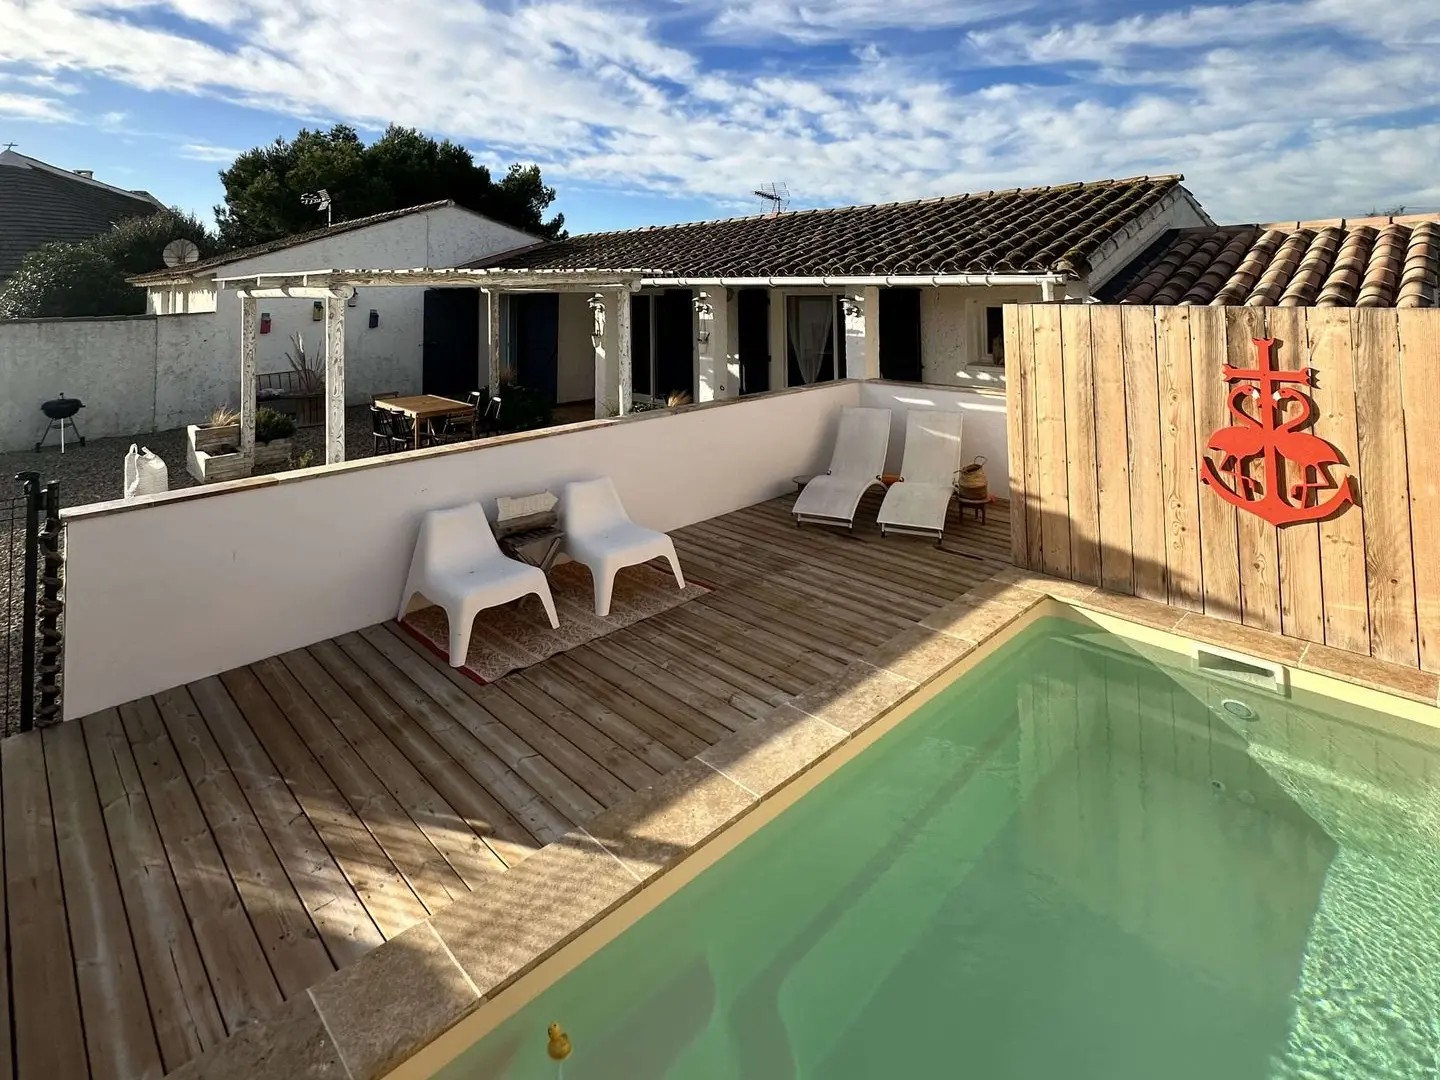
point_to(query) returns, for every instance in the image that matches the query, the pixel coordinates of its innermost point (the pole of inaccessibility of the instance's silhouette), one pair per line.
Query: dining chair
(402, 432)
(380, 430)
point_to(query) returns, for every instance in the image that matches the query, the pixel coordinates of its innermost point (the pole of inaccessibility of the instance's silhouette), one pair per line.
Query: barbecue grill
(61, 412)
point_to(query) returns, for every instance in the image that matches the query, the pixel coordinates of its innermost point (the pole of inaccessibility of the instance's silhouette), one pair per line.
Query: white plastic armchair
(600, 534)
(458, 565)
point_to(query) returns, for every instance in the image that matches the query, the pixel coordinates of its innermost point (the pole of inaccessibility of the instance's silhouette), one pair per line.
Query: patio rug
(517, 634)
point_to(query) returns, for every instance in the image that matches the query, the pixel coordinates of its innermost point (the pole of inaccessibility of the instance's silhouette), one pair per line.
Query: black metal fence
(31, 611)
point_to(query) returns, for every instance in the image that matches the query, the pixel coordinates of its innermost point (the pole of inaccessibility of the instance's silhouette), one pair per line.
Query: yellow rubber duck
(559, 1046)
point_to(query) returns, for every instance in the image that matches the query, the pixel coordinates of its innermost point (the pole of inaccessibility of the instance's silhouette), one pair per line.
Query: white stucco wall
(952, 329)
(983, 433)
(387, 357)
(325, 551)
(107, 363)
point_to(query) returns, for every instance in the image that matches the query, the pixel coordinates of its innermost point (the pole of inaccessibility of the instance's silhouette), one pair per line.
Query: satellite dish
(180, 251)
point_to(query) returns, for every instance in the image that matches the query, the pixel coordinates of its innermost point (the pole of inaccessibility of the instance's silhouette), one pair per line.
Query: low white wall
(193, 583)
(984, 431)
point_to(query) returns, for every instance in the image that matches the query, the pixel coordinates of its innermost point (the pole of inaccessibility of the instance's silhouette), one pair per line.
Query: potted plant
(213, 448)
(273, 432)
(309, 383)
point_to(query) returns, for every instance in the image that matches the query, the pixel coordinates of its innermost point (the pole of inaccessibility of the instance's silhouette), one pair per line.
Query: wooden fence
(1111, 407)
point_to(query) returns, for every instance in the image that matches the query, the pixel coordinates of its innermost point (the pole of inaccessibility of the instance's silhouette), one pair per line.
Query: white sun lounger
(600, 534)
(458, 565)
(855, 468)
(919, 502)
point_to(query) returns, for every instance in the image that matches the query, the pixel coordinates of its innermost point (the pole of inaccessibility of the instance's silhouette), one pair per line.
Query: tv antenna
(776, 197)
(320, 200)
(9, 146)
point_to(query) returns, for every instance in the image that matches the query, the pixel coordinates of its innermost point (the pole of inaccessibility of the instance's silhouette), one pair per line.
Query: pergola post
(248, 321)
(621, 300)
(492, 339)
(334, 380)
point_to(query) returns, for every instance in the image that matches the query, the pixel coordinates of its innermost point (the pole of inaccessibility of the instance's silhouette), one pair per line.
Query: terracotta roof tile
(1371, 262)
(1030, 230)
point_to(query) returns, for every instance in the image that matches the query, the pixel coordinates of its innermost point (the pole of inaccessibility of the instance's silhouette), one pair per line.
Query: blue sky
(670, 110)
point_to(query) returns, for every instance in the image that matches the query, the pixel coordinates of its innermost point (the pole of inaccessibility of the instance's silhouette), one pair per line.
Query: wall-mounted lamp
(703, 337)
(265, 322)
(317, 311)
(374, 318)
(354, 298)
(851, 307)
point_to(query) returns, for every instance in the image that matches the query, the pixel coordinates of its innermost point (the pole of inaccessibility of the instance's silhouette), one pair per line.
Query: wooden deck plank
(244, 986)
(753, 604)
(459, 697)
(177, 990)
(683, 743)
(689, 717)
(442, 824)
(49, 1040)
(119, 1033)
(345, 926)
(767, 680)
(382, 888)
(806, 554)
(650, 750)
(425, 869)
(606, 760)
(755, 639)
(444, 751)
(286, 932)
(748, 691)
(664, 678)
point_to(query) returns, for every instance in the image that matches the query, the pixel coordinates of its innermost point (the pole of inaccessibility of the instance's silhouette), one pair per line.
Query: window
(811, 332)
(994, 350)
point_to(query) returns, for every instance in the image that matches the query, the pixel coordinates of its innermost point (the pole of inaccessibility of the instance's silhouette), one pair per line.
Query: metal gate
(31, 566)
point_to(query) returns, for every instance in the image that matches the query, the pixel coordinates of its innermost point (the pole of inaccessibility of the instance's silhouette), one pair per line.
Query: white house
(908, 291)
(410, 340)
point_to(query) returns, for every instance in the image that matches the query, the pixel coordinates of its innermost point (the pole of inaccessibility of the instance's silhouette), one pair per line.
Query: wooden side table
(538, 547)
(976, 505)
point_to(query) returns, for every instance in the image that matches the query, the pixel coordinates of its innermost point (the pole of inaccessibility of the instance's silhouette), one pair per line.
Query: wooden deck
(178, 866)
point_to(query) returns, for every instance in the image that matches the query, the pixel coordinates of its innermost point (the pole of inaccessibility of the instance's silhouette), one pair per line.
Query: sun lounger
(855, 468)
(919, 502)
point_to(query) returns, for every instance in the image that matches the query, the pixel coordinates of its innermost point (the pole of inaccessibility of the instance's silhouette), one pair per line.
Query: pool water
(1073, 862)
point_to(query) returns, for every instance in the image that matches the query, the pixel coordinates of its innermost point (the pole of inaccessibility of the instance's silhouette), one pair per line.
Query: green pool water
(1075, 862)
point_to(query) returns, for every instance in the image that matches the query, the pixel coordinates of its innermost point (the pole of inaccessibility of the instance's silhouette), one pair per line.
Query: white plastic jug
(145, 474)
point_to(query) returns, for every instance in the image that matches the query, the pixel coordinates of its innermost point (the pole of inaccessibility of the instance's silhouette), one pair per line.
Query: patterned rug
(517, 634)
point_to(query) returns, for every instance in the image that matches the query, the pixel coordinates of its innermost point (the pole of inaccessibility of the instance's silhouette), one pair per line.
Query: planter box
(204, 459)
(275, 452)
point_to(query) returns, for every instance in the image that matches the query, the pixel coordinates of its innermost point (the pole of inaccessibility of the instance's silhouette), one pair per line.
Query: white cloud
(207, 152)
(1262, 121)
(33, 107)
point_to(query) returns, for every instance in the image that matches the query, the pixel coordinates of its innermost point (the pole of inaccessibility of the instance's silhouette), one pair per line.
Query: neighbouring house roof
(189, 270)
(1027, 230)
(1366, 262)
(41, 203)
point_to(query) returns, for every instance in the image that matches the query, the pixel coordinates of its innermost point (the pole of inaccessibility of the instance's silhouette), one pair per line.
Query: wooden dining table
(422, 408)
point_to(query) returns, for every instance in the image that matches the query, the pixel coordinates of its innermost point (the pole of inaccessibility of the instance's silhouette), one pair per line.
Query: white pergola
(610, 337)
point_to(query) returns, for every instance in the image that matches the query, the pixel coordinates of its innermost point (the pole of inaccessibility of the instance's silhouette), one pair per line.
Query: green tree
(68, 280)
(404, 167)
(73, 279)
(136, 245)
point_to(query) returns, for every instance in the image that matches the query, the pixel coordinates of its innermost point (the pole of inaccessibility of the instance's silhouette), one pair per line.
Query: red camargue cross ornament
(1270, 438)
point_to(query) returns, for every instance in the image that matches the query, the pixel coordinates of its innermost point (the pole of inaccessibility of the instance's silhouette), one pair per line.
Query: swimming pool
(1075, 861)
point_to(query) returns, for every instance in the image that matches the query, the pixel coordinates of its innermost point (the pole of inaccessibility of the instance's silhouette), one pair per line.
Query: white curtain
(811, 320)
